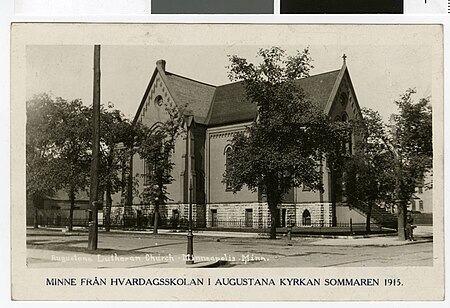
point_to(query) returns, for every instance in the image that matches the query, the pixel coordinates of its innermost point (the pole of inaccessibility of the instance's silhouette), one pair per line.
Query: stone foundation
(252, 215)
(257, 215)
(320, 214)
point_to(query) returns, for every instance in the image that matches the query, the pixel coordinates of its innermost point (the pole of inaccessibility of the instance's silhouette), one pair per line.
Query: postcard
(227, 162)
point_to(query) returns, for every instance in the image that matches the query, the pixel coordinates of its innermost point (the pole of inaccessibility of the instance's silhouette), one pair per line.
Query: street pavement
(57, 249)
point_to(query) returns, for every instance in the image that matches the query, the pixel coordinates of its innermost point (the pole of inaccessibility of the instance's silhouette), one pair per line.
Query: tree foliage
(394, 157)
(411, 144)
(64, 135)
(156, 146)
(412, 141)
(59, 138)
(116, 136)
(286, 145)
(39, 165)
(369, 174)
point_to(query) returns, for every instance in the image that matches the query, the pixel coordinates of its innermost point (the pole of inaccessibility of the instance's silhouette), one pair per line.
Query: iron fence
(260, 226)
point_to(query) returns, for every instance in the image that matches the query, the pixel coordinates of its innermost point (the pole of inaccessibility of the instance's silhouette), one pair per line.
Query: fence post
(351, 226)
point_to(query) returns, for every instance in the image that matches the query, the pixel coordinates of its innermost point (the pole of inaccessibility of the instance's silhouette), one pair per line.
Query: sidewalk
(47, 248)
(422, 234)
(81, 230)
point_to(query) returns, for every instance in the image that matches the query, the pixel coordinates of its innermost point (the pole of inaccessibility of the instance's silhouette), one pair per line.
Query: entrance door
(249, 218)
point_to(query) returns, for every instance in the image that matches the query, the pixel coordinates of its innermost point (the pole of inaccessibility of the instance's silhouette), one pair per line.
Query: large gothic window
(148, 171)
(153, 166)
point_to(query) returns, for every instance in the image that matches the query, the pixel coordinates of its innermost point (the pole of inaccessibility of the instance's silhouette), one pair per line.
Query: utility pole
(190, 235)
(93, 196)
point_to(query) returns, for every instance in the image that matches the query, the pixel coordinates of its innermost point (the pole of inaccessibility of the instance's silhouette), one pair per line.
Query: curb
(341, 236)
(204, 264)
(215, 234)
(403, 243)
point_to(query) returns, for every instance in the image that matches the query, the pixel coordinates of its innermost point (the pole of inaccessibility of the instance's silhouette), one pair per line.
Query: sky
(380, 73)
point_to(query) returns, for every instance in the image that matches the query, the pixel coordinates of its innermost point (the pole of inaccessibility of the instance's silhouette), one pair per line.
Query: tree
(393, 158)
(41, 168)
(411, 145)
(368, 174)
(286, 145)
(71, 137)
(115, 133)
(58, 139)
(156, 147)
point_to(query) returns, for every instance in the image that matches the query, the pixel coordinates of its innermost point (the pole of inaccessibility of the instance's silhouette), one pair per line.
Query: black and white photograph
(278, 148)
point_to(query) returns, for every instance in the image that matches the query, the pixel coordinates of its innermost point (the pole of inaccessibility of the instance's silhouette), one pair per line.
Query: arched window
(344, 117)
(306, 218)
(347, 148)
(156, 127)
(154, 165)
(227, 153)
(343, 99)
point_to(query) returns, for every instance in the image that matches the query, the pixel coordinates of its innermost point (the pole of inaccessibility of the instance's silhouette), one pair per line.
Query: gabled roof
(319, 87)
(230, 103)
(196, 95)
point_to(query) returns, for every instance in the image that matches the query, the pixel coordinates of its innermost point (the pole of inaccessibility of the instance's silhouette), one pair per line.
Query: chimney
(161, 64)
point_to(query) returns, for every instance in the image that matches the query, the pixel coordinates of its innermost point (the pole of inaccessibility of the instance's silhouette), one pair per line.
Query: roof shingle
(196, 95)
(231, 105)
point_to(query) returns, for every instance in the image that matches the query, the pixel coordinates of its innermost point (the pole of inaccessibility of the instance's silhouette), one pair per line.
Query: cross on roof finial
(344, 56)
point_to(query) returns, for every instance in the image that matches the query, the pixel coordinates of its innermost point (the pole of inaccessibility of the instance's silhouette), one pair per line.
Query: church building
(215, 114)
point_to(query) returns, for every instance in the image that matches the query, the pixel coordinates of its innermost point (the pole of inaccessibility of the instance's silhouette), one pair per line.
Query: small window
(158, 101)
(306, 218)
(343, 99)
(420, 190)
(421, 205)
